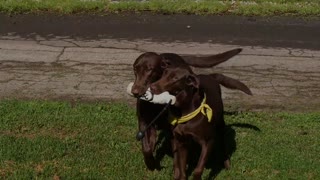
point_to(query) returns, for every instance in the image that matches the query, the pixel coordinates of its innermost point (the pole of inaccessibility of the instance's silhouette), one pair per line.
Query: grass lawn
(43, 140)
(234, 7)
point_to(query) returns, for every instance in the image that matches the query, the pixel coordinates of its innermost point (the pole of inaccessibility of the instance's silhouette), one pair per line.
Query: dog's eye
(149, 69)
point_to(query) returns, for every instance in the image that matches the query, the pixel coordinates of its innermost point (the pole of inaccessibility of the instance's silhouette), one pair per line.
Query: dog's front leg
(176, 169)
(205, 149)
(180, 154)
(148, 145)
(183, 156)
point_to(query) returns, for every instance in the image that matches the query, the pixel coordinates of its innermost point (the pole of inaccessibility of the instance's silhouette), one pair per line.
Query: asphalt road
(84, 58)
(248, 31)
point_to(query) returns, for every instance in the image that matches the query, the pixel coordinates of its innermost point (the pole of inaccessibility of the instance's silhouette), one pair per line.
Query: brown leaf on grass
(56, 177)
(39, 168)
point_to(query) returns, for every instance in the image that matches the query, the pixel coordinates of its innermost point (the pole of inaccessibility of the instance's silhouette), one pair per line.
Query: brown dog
(197, 115)
(149, 68)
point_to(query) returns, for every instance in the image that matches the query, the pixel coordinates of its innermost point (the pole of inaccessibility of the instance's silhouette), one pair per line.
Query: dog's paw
(227, 164)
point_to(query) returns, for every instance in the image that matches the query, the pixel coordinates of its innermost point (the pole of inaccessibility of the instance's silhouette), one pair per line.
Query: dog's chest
(195, 128)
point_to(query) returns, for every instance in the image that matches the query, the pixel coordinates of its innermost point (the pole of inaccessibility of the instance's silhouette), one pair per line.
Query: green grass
(45, 140)
(237, 7)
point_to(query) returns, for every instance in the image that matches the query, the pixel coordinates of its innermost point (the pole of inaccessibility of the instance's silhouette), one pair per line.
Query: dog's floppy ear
(165, 63)
(192, 80)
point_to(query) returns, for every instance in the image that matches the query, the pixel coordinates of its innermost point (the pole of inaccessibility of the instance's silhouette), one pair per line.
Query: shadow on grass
(215, 160)
(164, 147)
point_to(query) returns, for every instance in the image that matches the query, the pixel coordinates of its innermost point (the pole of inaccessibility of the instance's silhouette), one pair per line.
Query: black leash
(141, 134)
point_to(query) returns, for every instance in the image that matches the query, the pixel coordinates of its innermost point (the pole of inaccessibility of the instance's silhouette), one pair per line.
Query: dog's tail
(210, 61)
(231, 83)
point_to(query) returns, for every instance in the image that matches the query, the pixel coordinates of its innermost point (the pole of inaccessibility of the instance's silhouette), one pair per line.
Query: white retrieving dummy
(163, 98)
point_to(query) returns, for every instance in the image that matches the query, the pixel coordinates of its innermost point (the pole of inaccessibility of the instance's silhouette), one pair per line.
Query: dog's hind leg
(223, 144)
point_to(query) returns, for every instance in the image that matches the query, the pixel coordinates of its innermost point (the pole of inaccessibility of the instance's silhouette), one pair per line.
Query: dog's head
(180, 82)
(147, 69)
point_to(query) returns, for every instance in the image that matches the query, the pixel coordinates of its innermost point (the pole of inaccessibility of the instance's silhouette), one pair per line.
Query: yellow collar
(203, 108)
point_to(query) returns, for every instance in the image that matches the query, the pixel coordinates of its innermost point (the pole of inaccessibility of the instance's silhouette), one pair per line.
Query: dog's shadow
(215, 161)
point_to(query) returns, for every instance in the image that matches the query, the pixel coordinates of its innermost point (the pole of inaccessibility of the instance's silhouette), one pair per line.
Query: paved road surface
(49, 66)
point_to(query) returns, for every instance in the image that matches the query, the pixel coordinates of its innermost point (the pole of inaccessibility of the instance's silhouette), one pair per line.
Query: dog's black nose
(135, 92)
(153, 88)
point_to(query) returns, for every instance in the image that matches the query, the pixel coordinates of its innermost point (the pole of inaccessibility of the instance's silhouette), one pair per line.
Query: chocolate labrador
(197, 115)
(149, 68)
